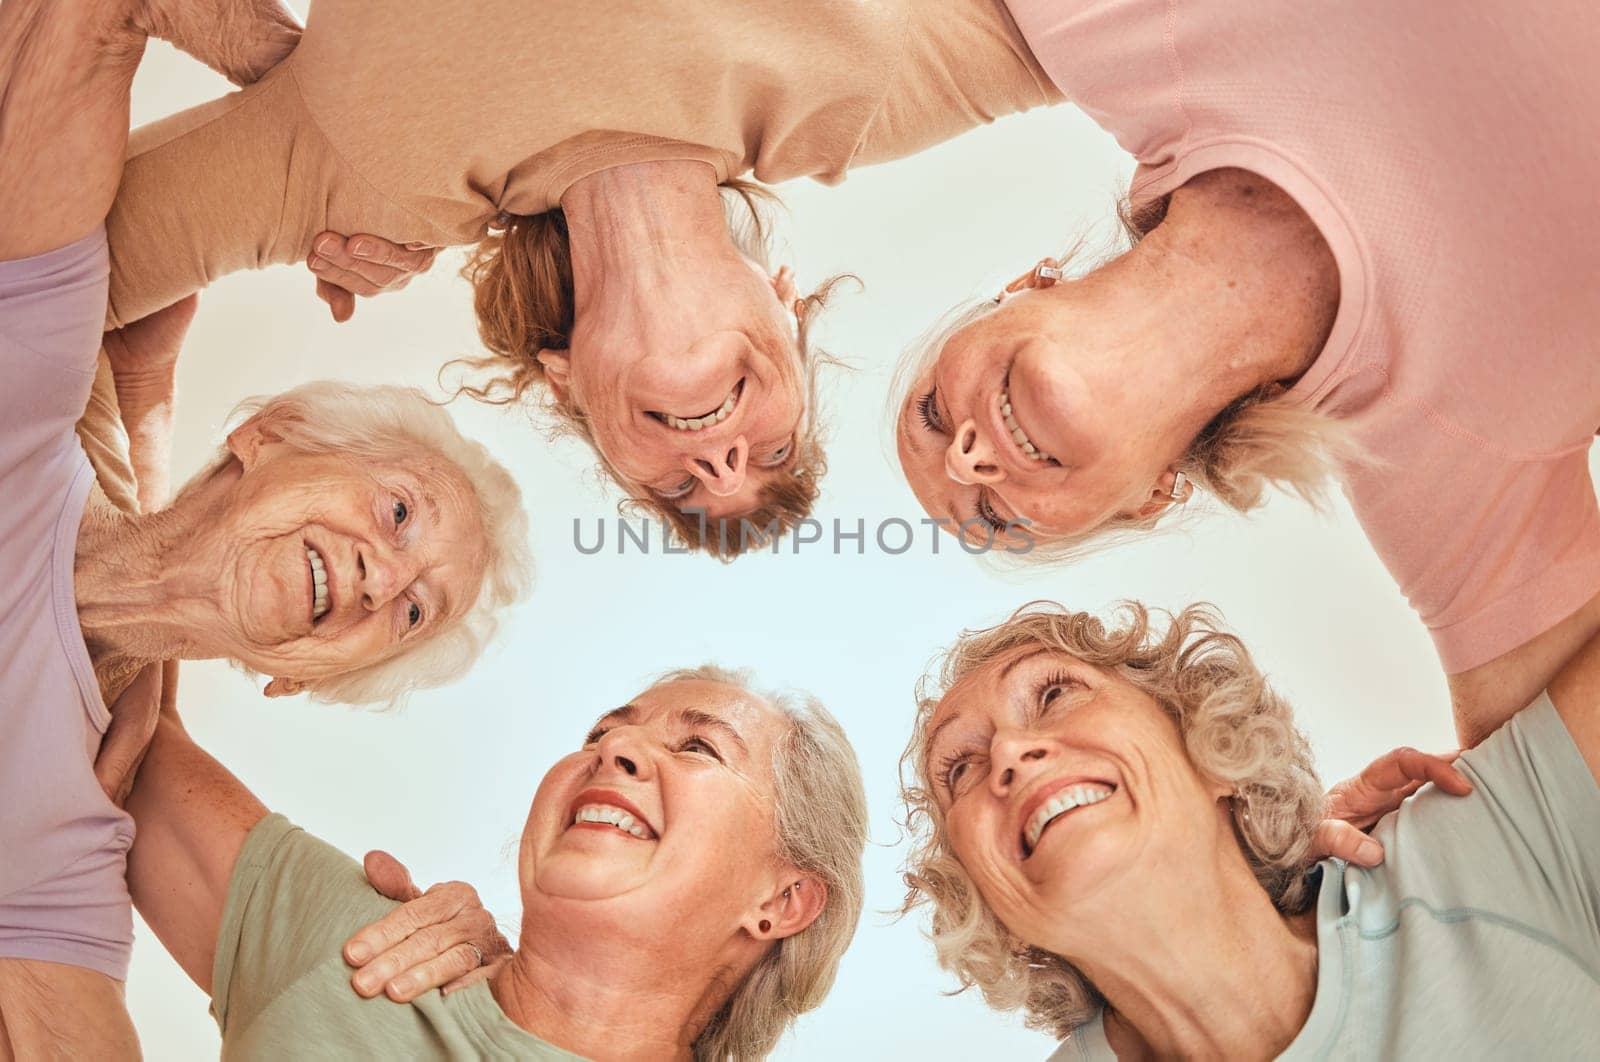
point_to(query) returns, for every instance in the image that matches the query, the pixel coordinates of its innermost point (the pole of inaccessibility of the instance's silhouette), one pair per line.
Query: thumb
(389, 876)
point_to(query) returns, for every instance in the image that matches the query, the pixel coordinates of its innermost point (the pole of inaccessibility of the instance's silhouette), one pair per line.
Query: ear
(791, 909)
(558, 371)
(1031, 279)
(250, 441)
(1162, 496)
(283, 687)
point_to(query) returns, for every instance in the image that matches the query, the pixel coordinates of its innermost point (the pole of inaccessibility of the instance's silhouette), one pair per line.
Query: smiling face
(1064, 787)
(1038, 411)
(664, 815)
(327, 563)
(696, 396)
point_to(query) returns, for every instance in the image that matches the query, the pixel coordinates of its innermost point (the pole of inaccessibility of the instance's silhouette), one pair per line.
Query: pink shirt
(63, 845)
(1450, 155)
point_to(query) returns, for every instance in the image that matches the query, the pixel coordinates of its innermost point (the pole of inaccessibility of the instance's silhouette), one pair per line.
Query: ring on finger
(478, 952)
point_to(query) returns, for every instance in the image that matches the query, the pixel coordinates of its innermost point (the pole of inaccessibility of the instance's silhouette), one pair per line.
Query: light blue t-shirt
(1479, 934)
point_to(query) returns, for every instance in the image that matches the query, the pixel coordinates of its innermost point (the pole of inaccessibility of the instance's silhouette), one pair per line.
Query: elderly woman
(1114, 831)
(590, 153)
(348, 544)
(690, 878)
(1312, 294)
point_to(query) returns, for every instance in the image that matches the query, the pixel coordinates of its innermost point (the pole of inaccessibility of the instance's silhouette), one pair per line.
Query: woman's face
(1036, 414)
(1064, 788)
(696, 396)
(327, 563)
(664, 819)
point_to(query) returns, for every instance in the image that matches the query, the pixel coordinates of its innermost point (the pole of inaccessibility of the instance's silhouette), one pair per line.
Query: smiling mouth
(609, 815)
(319, 584)
(1020, 437)
(1070, 799)
(704, 420)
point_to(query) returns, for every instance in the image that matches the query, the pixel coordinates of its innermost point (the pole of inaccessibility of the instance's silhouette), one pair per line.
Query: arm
(1489, 694)
(1575, 691)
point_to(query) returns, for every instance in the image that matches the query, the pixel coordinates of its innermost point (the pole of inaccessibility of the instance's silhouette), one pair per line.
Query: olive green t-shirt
(280, 986)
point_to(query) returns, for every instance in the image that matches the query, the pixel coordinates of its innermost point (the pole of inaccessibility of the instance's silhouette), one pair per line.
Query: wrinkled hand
(133, 724)
(427, 942)
(239, 39)
(347, 266)
(1357, 804)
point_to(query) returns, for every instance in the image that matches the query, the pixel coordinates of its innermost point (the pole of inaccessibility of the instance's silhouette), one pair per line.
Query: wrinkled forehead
(750, 720)
(989, 689)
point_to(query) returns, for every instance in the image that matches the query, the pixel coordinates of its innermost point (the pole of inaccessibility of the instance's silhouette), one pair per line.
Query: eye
(987, 514)
(413, 614)
(401, 512)
(1053, 686)
(781, 454)
(928, 410)
(595, 735)
(696, 743)
(681, 490)
(953, 769)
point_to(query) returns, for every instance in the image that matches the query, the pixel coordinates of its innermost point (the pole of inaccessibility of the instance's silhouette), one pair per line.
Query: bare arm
(193, 817)
(1575, 691)
(1488, 695)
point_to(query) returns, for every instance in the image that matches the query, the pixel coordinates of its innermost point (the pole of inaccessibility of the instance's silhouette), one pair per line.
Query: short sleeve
(292, 902)
(51, 307)
(1523, 848)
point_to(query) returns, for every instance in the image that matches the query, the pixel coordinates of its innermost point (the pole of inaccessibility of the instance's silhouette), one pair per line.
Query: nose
(1015, 757)
(381, 576)
(970, 460)
(721, 469)
(622, 749)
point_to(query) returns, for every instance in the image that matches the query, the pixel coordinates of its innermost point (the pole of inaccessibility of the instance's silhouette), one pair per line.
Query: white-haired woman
(1114, 831)
(587, 150)
(1312, 294)
(345, 543)
(690, 878)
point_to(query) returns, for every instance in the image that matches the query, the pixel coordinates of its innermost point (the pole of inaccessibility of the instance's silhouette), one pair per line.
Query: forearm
(147, 403)
(1488, 695)
(34, 996)
(66, 68)
(193, 817)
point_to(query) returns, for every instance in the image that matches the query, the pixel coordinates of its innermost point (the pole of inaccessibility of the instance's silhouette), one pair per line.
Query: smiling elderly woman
(690, 878)
(1114, 831)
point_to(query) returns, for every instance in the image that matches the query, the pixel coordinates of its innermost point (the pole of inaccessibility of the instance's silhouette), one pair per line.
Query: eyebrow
(625, 714)
(696, 717)
(1021, 660)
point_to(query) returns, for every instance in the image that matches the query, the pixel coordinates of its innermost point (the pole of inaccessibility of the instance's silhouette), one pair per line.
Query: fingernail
(363, 983)
(401, 984)
(318, 264)
(1369, 851)
(361, 248)
(360, 953)
(328, 244)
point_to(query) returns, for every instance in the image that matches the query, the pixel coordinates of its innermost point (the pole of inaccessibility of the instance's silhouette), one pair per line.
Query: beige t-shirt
(420, 121)
(280, 988)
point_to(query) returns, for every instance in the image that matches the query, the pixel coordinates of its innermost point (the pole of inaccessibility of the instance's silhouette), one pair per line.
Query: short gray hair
(1235, 730)
(821, 821)
(327, 417)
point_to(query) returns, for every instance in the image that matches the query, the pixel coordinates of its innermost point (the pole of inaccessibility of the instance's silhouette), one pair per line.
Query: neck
(1221, 974)
(1239, 286)
(137, 597)
(563, 988)
(638, 227)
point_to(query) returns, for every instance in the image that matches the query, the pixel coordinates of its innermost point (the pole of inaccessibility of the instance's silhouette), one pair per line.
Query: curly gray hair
(1235, 729)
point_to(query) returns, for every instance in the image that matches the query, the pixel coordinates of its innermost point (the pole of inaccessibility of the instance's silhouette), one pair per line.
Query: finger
(340, 302)
(436, 907)
(472, 977)
(437, 972)
(133, 722)
(1337, 838)
(389, 876)
(348, 279)
(381, 253)
(417, 950)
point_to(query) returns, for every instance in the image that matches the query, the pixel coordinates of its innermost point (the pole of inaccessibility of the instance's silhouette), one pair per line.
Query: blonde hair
(1234, 727)
(523, 295)
(820, 817)
(1256, 442)
(386, 423)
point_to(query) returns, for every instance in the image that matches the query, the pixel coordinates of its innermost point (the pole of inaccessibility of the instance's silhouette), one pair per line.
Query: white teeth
(1019, 436)
(319, 584)
(700, 423)
(1072, 797)
(613, 816)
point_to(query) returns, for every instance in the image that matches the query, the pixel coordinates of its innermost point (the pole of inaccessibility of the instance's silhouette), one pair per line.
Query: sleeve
(292, 902)
(242, 182)
(1525, 845)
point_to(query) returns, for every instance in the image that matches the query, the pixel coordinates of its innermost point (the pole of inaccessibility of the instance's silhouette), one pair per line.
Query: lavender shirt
(63, 845)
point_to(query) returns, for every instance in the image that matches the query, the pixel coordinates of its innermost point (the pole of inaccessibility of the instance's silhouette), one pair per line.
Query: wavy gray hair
(326, 417)
(1235, 729)
(821, 820)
